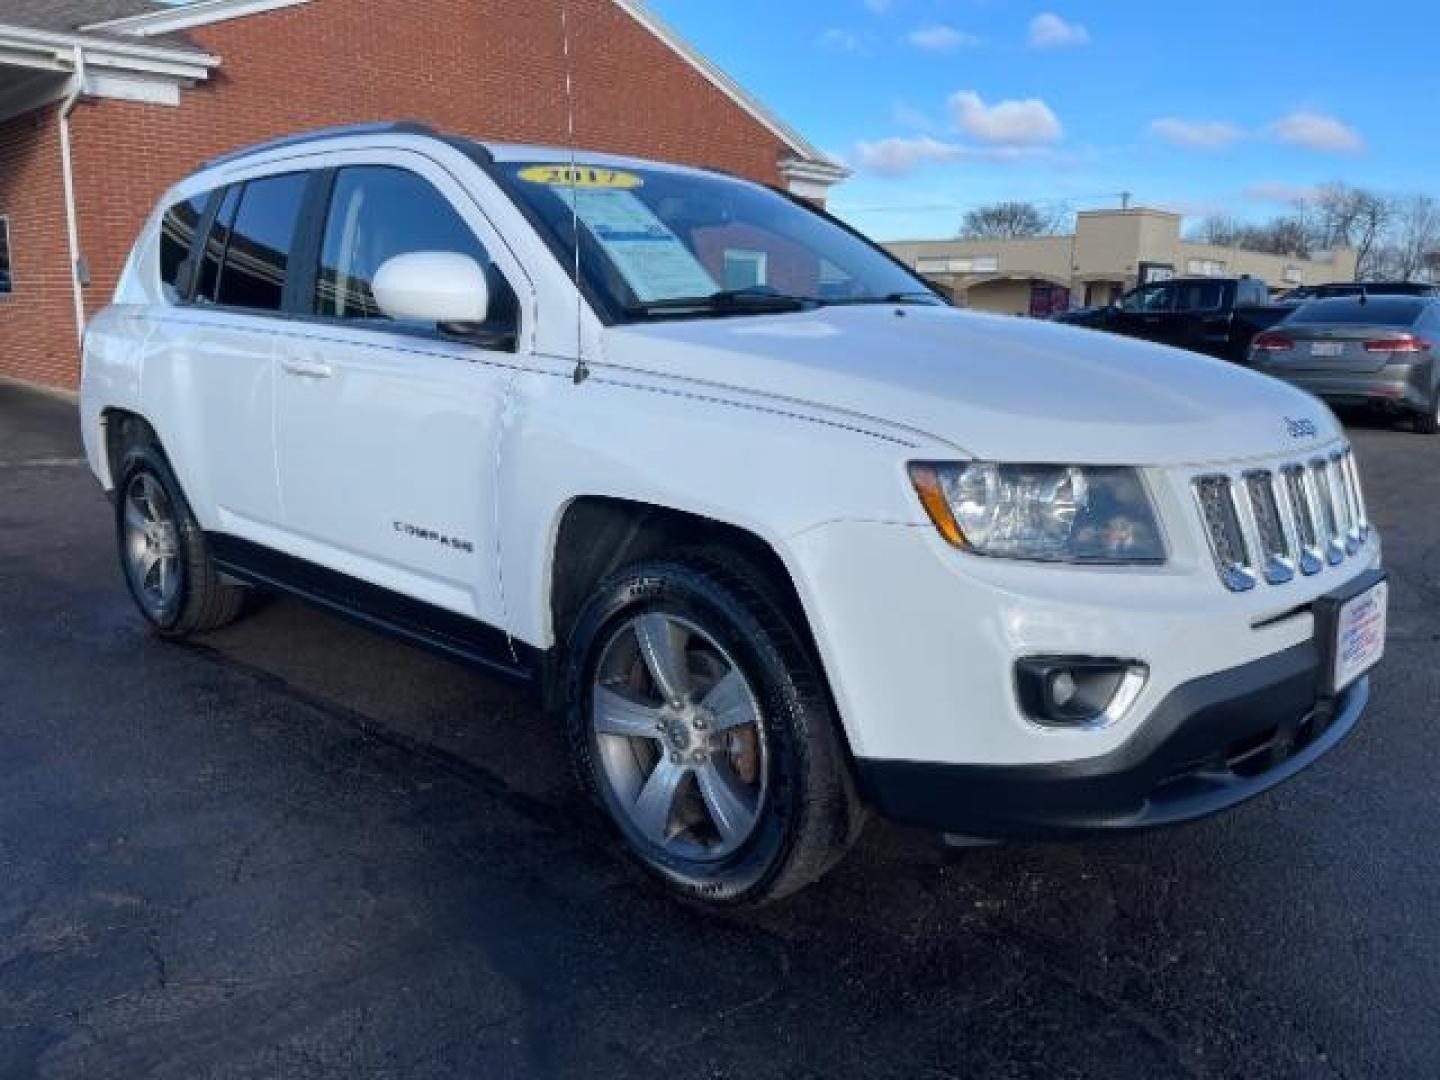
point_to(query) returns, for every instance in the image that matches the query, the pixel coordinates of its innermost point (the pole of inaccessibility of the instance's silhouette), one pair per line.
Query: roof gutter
(46, 48)
(72, 227)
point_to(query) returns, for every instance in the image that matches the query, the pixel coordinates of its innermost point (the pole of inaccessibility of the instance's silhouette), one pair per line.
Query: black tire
(202, 600)
(1428, 423)
(810, 814)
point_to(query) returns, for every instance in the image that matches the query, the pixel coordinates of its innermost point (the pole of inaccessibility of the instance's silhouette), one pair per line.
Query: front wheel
(700, 725)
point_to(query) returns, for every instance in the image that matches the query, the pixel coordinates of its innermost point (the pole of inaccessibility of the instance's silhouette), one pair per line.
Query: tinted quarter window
(215, 245)
(376, 213)
(7, 283)
(1198, 296)
(258, 254)
(177, 240)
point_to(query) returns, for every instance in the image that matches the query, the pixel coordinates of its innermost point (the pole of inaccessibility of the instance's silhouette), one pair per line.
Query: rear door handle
(307, 369)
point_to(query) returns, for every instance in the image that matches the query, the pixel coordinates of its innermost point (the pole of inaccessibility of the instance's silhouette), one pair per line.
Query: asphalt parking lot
(298, 850)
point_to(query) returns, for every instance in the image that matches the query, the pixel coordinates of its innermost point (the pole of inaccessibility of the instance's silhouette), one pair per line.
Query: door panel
(210, 375)
(387, 433)
(387, 451)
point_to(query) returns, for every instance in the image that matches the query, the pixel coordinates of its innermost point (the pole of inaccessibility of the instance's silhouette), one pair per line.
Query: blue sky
(1196, 105)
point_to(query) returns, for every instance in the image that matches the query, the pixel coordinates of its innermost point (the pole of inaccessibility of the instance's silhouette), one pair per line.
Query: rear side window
(257, 256)
(376, 213)
(177, 241)
(215, 245)
(1386, 311)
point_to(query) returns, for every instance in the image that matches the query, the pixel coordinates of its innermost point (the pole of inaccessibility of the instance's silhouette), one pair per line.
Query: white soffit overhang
(42, 65)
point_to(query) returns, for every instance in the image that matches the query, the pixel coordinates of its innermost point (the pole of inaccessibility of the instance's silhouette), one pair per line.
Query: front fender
(773, 472)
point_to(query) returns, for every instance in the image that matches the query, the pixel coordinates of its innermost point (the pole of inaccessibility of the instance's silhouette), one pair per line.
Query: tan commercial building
(1109, 252)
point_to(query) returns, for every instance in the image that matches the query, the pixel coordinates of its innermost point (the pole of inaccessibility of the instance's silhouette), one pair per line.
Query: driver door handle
(307, 369)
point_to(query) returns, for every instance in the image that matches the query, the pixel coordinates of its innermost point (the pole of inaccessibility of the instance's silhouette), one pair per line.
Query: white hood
(1000, 388)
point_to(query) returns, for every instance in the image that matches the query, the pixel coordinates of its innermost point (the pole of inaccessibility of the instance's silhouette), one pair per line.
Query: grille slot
(1271, 524)
(1305, 518)
(1227, 536)
(1331, 538)
(1277, 562)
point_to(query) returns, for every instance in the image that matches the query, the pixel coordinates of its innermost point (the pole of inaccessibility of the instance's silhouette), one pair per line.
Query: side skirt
(433, 628)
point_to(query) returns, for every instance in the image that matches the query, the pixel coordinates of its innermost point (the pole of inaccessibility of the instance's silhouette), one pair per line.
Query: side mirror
(432, 287)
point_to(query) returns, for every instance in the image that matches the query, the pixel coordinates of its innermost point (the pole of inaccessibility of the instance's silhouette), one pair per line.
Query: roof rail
(402, 127)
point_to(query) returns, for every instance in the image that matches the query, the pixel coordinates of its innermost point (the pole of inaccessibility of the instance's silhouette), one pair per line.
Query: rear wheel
(163, 550)
(700, 726)
(1427, 422)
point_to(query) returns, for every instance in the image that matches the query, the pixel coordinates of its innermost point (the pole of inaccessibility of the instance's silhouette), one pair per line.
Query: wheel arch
(594, 536)
(119, 428)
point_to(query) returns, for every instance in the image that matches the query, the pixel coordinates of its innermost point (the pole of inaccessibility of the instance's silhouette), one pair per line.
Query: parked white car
(783, 535)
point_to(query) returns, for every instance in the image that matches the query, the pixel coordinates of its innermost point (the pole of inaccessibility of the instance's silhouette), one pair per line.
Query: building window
(746, 269)
(1206, 268)
(7, 282)
(975, 264)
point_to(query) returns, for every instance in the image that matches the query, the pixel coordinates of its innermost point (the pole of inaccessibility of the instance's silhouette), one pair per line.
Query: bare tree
(1007, 221)
(1223, 230)
(1289, 234)
(1356, 218)
(1412, 241)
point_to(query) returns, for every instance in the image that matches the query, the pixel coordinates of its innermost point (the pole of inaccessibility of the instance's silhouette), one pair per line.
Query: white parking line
(44, 463)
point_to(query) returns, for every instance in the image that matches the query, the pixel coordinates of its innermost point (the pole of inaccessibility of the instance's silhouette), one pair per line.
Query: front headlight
(1057, 513)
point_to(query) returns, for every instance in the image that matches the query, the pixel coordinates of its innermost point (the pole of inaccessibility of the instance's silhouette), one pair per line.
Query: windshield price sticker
(581, 176)
(652, 259)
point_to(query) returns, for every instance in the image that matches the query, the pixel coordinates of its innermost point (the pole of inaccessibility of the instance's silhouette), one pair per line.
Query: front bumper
(1212, 743)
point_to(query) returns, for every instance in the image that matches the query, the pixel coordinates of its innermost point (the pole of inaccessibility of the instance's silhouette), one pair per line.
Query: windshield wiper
(725, 301)
(917, 297)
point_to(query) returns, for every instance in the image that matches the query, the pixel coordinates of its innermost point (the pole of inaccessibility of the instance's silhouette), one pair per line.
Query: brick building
(105, 103)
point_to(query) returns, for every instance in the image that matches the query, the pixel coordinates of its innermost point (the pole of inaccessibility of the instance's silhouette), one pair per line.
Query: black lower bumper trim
(1211, 744)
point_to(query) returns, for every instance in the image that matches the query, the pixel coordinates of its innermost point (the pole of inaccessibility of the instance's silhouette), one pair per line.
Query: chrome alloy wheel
(152, 543)
(680, 737)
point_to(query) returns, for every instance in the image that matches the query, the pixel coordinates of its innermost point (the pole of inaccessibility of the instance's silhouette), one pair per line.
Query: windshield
(1381, 311)
(657, 243)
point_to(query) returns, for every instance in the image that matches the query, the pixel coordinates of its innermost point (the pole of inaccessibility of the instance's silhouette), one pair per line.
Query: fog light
(1077, 691)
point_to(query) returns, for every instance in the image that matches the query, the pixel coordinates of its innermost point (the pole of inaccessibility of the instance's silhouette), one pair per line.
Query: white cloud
(1021, 122)
(898, 155)
(1316, 131)
(1277, 191)
(1050, 31)
(937, 37)
(1197, 134)
(837, 40)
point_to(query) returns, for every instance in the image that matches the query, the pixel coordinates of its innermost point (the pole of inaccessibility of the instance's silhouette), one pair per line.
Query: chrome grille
(1268, 525)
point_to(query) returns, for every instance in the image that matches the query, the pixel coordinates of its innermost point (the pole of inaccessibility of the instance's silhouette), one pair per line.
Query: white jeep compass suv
(784, 535)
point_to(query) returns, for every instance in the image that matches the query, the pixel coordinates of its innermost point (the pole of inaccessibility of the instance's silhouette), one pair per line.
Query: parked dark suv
(1218, 316)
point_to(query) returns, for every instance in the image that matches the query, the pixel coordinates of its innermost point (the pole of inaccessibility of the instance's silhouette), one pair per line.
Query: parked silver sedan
(1367, 350)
